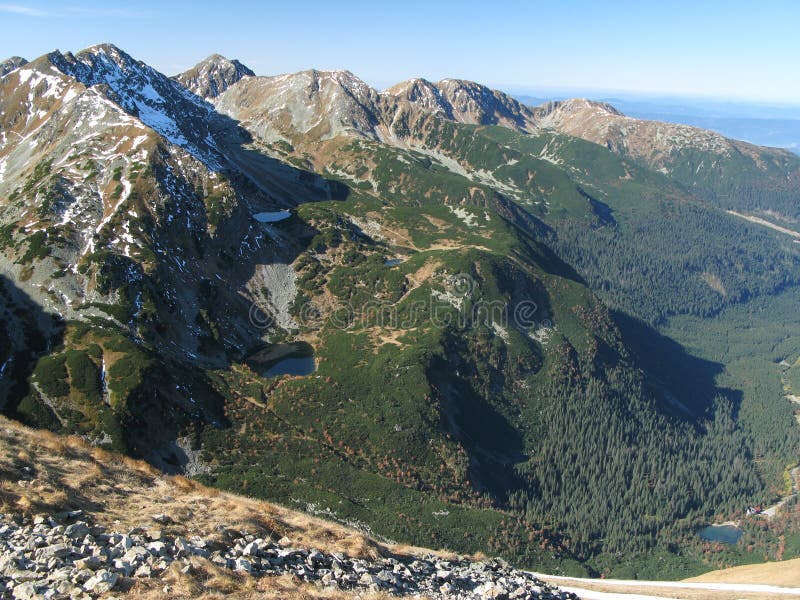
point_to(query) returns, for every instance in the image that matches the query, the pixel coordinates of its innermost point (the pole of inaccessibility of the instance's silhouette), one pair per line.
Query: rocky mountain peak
(476, 103)
(9, 64)
(157, 101)
(320, 103)
(105, 48)
(412, 88)
(575, 106)
(346, 80)
(212, 76)
(422, 93)
(93, 62)
(103, 63)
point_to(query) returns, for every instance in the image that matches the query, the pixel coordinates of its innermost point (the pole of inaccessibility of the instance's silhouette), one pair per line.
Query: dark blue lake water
(283, 359)
(304, 365)
(272, 217)
(726, 534)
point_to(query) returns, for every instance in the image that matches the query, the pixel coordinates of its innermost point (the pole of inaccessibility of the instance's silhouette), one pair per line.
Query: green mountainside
(524, 342)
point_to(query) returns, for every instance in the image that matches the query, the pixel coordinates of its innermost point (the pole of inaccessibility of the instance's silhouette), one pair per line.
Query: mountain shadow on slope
(26, 332)
(686, 383)
(492, 443)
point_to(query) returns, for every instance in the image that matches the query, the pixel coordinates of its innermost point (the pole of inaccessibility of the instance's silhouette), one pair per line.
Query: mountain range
(432, 312)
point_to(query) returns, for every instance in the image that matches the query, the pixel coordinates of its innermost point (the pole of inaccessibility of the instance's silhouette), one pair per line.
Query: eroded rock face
(80, 560)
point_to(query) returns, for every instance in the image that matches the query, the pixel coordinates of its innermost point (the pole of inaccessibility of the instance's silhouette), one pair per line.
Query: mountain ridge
(390, 115)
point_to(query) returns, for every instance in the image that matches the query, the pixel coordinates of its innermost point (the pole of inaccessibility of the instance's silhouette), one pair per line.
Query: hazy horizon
(713, 51)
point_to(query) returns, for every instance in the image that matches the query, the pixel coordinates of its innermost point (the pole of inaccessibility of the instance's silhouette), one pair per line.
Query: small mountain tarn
(726, 534)
(283, 359)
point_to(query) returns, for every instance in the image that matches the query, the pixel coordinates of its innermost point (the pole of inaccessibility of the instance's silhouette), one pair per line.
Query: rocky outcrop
(76, 559)
(212, 76)
(9, 64)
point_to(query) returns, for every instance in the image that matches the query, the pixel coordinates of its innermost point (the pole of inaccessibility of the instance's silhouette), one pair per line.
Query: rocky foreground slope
(77, 522)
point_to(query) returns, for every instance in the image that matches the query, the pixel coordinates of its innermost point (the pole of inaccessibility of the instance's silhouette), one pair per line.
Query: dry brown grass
(381, 336)
(785, 573)
(41, 472)
(65, 473)
(676, 593)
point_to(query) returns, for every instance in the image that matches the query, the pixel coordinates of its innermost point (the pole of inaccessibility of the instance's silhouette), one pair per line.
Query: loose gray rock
(42, 559)
(25, 591)
(56, 550)
(77, 531)
(102, 582)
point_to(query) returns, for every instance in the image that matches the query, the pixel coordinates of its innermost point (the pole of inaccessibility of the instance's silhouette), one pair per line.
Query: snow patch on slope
(158, 102)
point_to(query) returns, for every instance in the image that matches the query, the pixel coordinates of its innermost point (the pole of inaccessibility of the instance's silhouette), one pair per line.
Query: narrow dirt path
(621, 589)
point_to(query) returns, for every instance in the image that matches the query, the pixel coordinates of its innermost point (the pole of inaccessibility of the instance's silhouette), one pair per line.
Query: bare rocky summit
(212, 76)
(12, 63)
(318, 104)
(461, 101)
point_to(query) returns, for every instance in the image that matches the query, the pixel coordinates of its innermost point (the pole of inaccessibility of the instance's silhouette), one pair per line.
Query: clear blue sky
(734, 49)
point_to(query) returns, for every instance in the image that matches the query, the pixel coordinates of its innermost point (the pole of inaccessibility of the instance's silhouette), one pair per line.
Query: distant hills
(756, 123)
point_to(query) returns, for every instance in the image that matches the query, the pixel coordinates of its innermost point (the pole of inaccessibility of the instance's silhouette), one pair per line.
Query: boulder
(77, 531)
(90, 562)
(56, 550)
(24, 591)
(102, 582)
